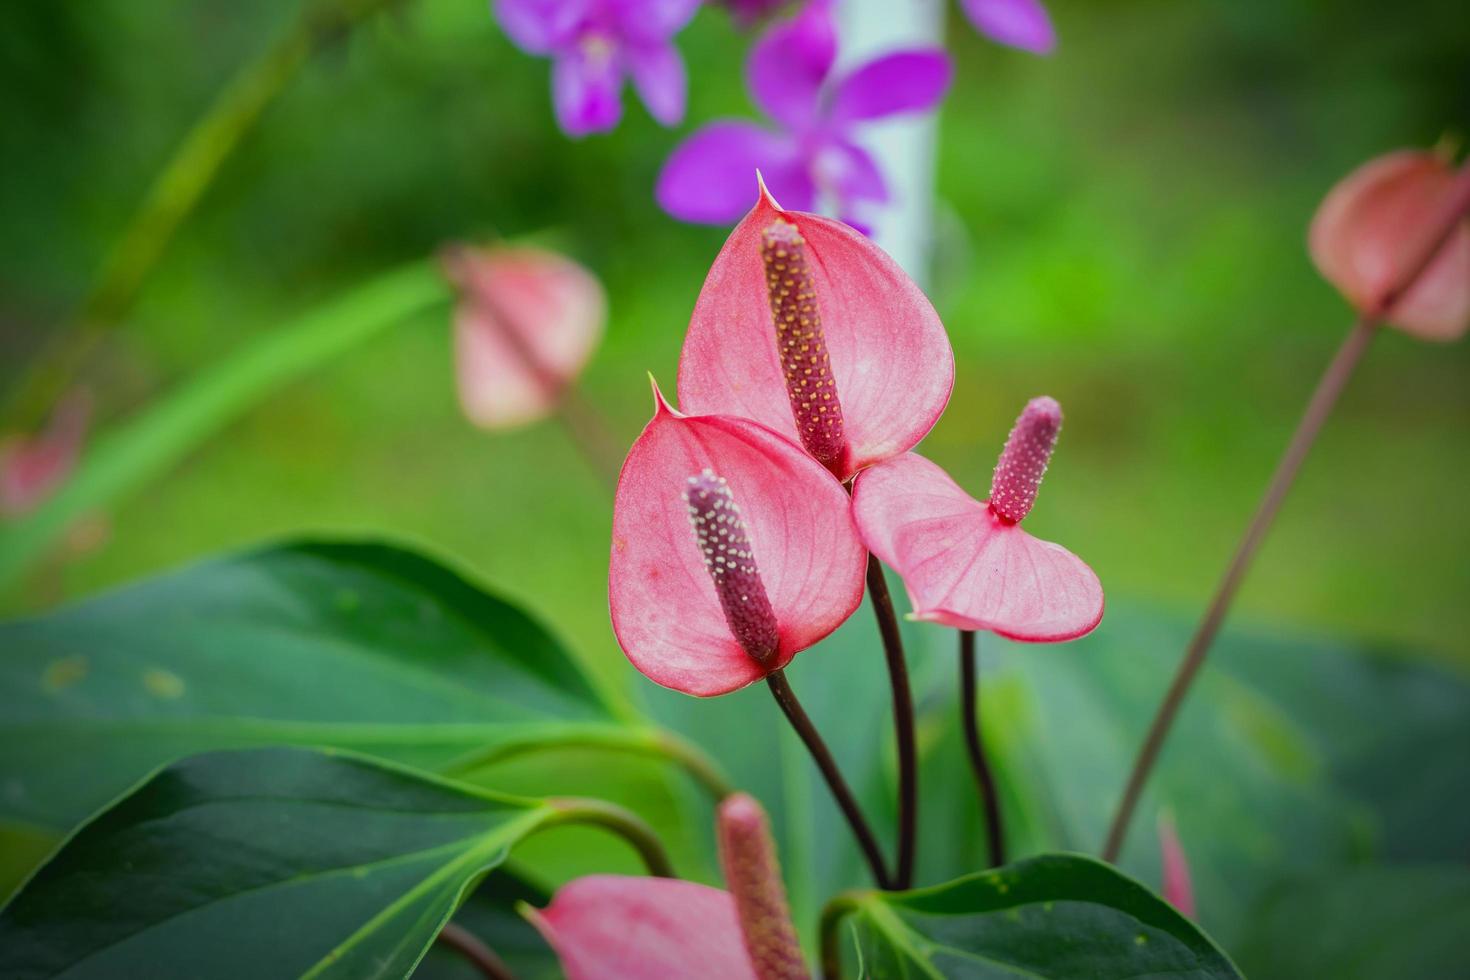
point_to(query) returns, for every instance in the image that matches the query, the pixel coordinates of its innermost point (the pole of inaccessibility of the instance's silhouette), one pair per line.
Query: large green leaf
(143, 447)
(1366, 923)
(262, 863)
(1058, 915)
(357, 646)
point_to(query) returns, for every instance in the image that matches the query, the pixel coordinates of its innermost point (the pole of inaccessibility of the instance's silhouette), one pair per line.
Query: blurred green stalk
(175, 191)
(141, 448)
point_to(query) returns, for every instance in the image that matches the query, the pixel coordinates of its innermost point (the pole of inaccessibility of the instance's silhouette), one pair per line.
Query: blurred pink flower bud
(753, 875)
(1178, 891)
(1376, 225)
(526, 324)
(32, 467)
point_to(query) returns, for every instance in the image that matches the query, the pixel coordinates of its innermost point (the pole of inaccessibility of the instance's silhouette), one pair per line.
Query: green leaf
(262, 863)
(1366, 923)
(1292, 757)
(1057, 915)
(357, 646)
(145, 446)
(490, 914)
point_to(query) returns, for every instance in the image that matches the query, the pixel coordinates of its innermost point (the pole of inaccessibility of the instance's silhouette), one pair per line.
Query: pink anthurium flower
(1178, 889)
(1020, 24)
(812, 157)
(32, 467)
(808, 327)
(526, 324)
(608, 927)
(1371, 226)
(968, 563)
(596, 44)
(732, 551)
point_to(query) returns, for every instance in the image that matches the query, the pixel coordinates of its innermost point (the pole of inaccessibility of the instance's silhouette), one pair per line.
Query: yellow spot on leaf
(1140, 940)
(163, 684)
(63, 673)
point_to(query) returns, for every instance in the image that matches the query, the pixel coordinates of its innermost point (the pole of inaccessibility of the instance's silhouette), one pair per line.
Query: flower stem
(1324, 398)
(482, 957)
(832, 915)
(174, 193)
(791, 707)
(903, 722)
(624, 823)
(984, 778)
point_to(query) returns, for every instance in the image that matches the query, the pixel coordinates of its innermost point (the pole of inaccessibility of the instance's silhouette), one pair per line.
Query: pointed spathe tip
(763, 193)
(661, 406)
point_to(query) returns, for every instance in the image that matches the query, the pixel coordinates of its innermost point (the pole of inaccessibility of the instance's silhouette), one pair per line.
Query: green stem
(608, 816)
(142, 447)
(648, 742)
(832, 915)
(175, 192)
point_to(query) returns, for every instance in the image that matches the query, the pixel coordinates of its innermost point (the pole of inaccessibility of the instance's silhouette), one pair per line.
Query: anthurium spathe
(1178, 888)
(526, 324)
(732, 551)
(805, 325)
(1372, 226)
(609, 927)
(968, 563)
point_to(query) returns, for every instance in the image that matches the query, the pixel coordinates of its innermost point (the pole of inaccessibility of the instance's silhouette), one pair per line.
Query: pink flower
(594, 45)
(526, 324)
(607, 927)
(33, 467)
(1375, 223)
(1178, 891)
(732, 551)
(1021, 24)
(812, 156)
(967, 563)
(806, 326)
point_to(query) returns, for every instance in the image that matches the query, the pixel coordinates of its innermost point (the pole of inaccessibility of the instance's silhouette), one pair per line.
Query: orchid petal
(852, 174)
(789, 64)
(1374, 222)
(890, 357)
(33, 467)
(1022, 24)
(905, 81)
(707, 179)
(665, 609)
(587, 86)
(965, 567)
(652, 21)
(540, 26)
(658, 75)
(526, 324)
(609, 927)
(1178, 889)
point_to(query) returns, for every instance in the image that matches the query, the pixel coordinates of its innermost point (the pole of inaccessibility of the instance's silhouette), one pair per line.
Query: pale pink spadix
(526, 324)
(806, 326)
(732, 551)
(753, 875)
(968, 563)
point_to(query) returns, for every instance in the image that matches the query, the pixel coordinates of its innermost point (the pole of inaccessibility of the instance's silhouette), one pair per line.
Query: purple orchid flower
(594, 45)
(1020, 24)
(812, 158)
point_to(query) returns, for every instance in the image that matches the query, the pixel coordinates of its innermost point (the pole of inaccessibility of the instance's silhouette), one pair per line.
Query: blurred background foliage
(1121, 227)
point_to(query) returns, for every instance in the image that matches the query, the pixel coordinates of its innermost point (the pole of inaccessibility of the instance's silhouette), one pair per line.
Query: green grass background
(1124, 227)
